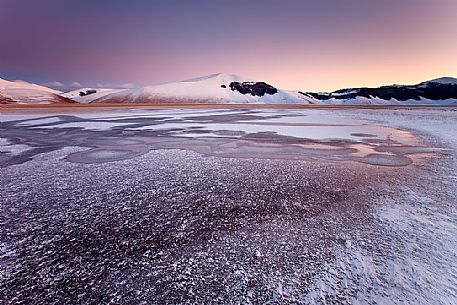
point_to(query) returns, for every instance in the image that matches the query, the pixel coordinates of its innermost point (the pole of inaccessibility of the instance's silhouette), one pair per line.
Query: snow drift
(27, 93)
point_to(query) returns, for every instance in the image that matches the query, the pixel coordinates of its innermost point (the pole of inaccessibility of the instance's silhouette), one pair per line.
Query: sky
(293, 44)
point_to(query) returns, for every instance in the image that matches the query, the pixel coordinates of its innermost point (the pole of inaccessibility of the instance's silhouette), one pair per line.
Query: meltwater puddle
(278, 134)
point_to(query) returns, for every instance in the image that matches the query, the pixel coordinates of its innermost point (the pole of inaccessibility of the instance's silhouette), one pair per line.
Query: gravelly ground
(174, 226)
(171, 226)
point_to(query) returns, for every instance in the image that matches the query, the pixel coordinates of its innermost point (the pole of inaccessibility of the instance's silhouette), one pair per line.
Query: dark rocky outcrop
(253, 88)
(88, 92)
(427, 90)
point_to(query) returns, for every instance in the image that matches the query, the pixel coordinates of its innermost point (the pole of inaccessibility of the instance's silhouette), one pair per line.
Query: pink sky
(305, 45)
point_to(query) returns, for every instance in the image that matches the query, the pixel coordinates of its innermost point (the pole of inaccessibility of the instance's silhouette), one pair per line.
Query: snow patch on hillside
(101, 92)
(444, 81)
(6, 85)
(27, 93)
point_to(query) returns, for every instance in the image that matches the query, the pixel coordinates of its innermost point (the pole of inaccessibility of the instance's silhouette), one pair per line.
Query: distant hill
(441, 91)
(28, 93)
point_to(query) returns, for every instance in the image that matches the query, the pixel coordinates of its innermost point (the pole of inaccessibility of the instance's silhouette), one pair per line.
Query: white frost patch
(441, 124)
(420, 269)
(309, 117)
(34, 122)
(416, 262)
(310, 132)
(428, 232)
(88, 125)
(12, 149)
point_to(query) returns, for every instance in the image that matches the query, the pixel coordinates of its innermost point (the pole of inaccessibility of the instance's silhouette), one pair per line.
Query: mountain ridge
(231, 88)
(436, 91)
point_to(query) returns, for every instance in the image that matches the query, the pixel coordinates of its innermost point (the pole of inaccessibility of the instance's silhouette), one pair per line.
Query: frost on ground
(12, 149)
(172, 227)
(175, 224)
(415, 261)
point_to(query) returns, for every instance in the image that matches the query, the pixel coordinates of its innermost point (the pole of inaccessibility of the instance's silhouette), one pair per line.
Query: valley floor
(215, 206)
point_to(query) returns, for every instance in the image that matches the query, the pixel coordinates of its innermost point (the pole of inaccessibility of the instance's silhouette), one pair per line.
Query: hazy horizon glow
(305, 45)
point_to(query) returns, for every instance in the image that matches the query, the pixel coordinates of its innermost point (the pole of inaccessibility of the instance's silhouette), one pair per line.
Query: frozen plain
(229, 206)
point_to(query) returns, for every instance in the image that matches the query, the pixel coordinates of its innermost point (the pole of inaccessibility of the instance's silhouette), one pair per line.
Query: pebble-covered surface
(180, 226)
(172, 227)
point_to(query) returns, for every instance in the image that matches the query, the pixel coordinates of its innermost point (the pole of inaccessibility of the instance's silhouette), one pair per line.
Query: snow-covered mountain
(440, 91)
(215, 88)
(228, 88)
(27, 93)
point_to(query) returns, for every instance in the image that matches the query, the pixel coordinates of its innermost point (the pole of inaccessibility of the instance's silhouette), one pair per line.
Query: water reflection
(291, 134)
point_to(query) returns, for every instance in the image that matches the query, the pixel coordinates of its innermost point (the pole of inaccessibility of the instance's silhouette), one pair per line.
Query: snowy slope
(213, 88)
(443, 81)
(18, 84)
(101, 92)
(28, 93)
